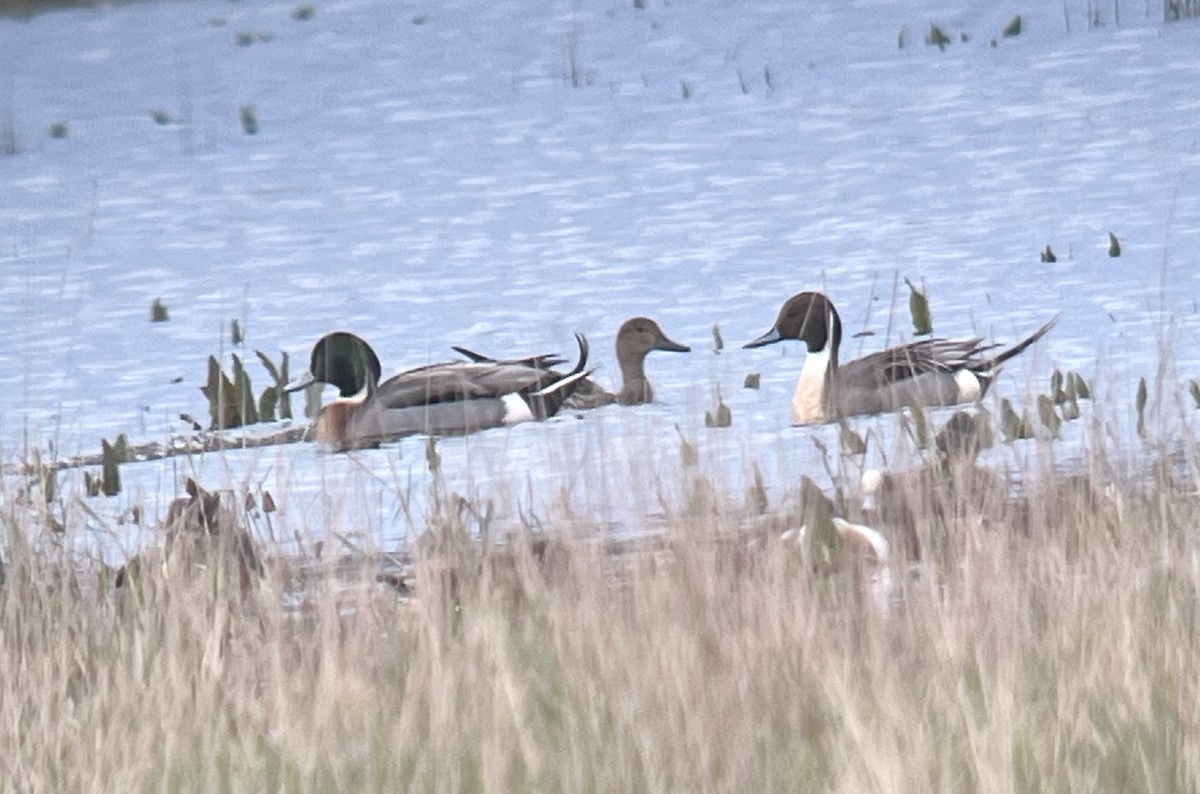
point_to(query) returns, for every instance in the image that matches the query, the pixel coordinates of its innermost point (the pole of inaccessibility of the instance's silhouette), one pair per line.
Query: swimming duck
(635, 339)
(926, 372)
(439, 399)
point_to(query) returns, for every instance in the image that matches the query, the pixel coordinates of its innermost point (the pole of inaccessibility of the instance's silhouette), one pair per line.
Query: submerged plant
(1014, 426)
(1064, 395)
(231, 400)
(1048, 415)
(937, 37)
(918, 308)
(721, 416)
(158, 311)
(112, 455)
(276, 401)
(249, 116)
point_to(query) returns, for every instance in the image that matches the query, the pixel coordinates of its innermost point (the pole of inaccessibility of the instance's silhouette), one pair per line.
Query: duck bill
(769, 338)
(302, 382)
(670, 345)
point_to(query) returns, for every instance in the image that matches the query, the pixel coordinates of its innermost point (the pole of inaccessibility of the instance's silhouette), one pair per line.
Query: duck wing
(474, 380)
(938, 355)
(906, 362)
(453, 381)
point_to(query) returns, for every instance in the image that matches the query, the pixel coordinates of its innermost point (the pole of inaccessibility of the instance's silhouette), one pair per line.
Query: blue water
(500, 175)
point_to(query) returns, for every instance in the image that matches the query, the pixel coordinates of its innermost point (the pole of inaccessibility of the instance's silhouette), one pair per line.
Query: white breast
(808, 401)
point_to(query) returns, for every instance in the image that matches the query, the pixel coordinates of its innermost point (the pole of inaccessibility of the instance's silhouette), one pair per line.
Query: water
(500, 175)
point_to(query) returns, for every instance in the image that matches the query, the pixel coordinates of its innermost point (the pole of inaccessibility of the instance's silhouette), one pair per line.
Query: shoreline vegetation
(27, 8)
(1032, 625)
(1045, 640)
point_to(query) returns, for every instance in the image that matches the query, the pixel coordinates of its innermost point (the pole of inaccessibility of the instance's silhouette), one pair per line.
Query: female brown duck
(636, 338)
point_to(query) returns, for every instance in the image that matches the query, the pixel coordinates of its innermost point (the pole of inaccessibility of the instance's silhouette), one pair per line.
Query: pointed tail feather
(546, 401)
(478, 358)
(542, 361)
(991, 365)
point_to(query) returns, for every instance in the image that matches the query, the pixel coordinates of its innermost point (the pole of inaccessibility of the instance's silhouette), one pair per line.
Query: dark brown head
(809, 317)
(959, 438)
(344, 360)
(199, 511)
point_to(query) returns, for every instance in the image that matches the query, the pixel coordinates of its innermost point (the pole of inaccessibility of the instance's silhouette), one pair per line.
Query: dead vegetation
(1044, 639)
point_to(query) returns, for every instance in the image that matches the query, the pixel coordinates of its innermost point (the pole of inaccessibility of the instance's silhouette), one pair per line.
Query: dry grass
(1048, 646)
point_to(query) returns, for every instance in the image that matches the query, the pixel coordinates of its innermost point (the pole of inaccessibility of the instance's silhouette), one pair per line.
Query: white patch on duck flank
(516, 410)
(969, 387)
(808, 401)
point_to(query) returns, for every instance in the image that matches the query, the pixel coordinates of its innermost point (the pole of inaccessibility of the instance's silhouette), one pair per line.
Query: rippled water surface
(502, 174)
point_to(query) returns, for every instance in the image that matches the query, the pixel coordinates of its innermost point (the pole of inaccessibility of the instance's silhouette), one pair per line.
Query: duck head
(636, 338)
(960, 438)
(809, 317)
(344, 360)
(639, 335)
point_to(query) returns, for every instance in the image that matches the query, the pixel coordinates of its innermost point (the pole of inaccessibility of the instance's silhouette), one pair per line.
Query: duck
(948, 487)
(928, 372)
(636, 338)
(448, 398)
(201, 533)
